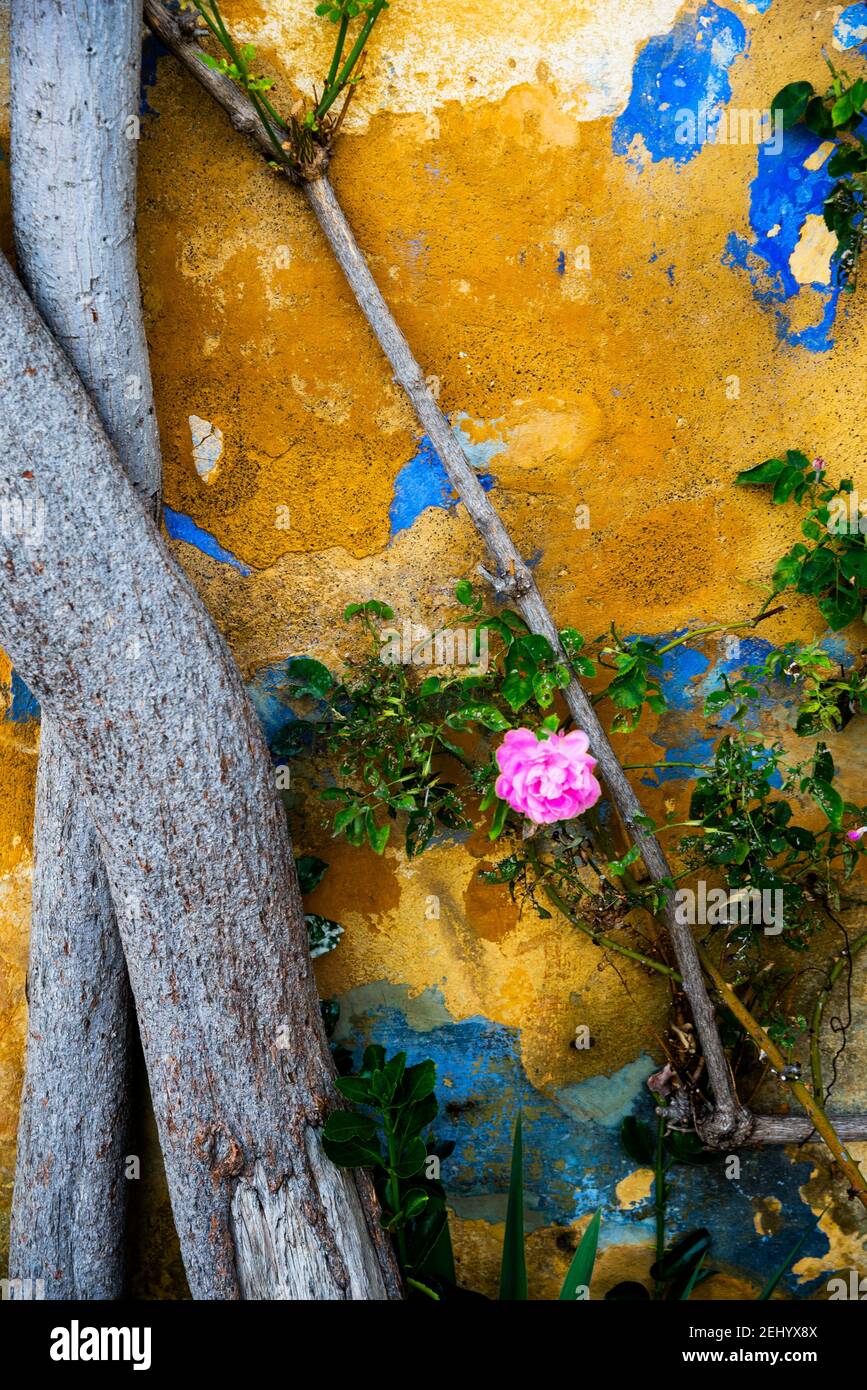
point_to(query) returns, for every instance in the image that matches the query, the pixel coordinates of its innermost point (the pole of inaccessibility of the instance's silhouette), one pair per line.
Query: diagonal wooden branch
(728, 1124)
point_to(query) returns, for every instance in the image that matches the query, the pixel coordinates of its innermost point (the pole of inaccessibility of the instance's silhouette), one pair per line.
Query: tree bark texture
(75, 92)
(116, 644)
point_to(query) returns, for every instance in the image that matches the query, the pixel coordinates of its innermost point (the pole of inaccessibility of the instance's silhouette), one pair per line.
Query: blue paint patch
(23, 706)
(182, 528)
(423, 482)
(151, 52)
(679, 74)
(699, 750)
(782, 195)
(572, 1153)
(850, 31)
(561, 263)
(267, 690)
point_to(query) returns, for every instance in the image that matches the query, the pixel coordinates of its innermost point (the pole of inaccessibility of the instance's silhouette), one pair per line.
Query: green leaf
(687, 1148)
(571, 641)
(499, 820)
(309, 677)
(384, 1081)
(792, 101)
(841, 608)
(354, 1153)
(543, 689)
(638, 1141)
(843, 109)
(619, 866)
(679, 1261)
(430, 1247)
(373, 607)
(343, 1125)
(418, 1082)
(580, 1271)
(846, 160)
(412, 1159)
(373, 1058)
(516, 690)
(345, 815)
(817, 117)
(488, 715)
(762, 473)
(829, 800)
(355, 1088)
(784, 486)
(322, 934)
(377, 836)
(415, 1202)
(311, 871)
(513, 1270)
(464, 592)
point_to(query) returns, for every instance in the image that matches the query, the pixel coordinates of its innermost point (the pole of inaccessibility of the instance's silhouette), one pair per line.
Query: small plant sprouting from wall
(303, 136)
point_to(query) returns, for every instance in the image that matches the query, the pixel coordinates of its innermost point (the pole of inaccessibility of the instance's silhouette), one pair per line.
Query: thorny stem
(558, 901)
(818, 1013)
(719, 627)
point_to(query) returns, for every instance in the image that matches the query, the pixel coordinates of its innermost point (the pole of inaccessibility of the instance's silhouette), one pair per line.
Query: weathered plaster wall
(615, 319)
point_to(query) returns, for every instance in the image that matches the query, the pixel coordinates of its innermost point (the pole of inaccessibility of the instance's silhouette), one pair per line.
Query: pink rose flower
(547, 779)
(854, 834)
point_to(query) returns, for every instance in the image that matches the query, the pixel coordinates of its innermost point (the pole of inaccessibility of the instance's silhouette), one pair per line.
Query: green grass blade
(580, 1271)
(513, 1271)
(784, 1267)
(692, 1281)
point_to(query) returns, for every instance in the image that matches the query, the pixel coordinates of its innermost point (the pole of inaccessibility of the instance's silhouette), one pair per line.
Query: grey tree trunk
(114, 641)
(75, 91)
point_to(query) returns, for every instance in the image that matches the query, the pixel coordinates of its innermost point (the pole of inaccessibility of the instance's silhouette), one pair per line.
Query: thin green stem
(338, 53)
(217, 26)
(659, 1196)
(598, 938)
(393, 1189)
(631, 767)
(329, 97)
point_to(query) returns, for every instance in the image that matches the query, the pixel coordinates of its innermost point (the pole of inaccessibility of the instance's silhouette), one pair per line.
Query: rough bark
(75, 91)
(112, 638)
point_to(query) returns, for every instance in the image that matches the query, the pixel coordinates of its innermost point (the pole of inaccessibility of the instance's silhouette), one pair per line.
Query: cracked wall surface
(619, 311)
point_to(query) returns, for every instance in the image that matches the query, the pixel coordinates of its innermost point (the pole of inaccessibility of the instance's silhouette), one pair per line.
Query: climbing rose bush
(547, 779)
